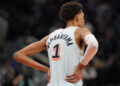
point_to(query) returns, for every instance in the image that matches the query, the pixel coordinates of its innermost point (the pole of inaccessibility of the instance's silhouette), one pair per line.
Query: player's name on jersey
(65, 37)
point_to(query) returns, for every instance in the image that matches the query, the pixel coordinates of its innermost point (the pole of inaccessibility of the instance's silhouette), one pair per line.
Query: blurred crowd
(25, 21)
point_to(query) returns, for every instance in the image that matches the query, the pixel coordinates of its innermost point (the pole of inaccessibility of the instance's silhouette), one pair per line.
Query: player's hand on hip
(76, 76)
(48, 76)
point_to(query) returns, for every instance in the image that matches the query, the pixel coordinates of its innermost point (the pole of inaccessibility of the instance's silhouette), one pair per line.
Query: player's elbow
(16, 56)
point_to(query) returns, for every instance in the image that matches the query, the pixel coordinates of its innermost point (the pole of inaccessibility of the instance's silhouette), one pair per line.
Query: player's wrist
(43, 68)
(46, 69)
(81, 66)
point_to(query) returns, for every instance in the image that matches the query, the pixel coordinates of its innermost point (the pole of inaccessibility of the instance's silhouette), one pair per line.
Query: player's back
(64, 56)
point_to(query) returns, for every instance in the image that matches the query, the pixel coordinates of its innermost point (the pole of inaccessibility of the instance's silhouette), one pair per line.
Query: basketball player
(65, 49)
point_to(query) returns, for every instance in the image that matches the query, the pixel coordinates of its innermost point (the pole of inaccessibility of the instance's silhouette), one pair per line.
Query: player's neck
(72, 24)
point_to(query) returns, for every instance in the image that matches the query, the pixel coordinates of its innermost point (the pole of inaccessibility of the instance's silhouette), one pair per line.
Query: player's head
(72, 11)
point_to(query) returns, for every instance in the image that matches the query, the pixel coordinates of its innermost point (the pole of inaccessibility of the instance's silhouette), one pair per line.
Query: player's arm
(92, 47)
(22, 55)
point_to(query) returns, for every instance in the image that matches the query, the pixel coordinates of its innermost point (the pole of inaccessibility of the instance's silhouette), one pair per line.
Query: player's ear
(76, 18)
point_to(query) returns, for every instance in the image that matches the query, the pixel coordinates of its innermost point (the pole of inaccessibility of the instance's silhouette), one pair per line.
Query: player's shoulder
(80, 31)
(83, 30)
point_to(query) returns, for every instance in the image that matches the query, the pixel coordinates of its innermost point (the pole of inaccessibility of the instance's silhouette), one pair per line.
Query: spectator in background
(9, 76)
(90, 74)
(3, 27)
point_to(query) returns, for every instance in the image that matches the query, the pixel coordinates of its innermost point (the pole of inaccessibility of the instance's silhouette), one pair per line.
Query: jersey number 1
(57, 56)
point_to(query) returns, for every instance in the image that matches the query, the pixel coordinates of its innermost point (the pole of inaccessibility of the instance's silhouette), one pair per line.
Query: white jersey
(64, 56)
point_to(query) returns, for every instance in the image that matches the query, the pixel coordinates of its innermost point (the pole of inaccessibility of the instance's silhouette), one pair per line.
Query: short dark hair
(69, 10)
